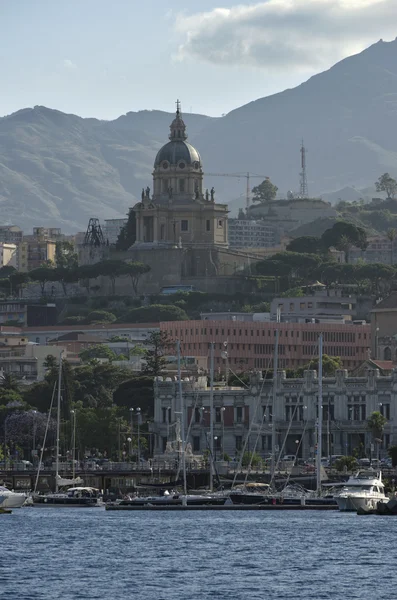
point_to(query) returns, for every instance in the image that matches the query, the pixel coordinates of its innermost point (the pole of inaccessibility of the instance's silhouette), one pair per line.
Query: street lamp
(73, 413)
(138, 413)
(129, 440)
(131, 421)
(215, 440)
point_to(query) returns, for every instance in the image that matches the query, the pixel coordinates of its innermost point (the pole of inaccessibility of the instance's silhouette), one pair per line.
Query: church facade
(178, 212)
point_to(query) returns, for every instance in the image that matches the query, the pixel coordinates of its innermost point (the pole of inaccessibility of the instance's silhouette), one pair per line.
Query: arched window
(181, 185)
(387, 354)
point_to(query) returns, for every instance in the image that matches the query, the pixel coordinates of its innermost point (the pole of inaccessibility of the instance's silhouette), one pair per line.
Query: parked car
(364, 462)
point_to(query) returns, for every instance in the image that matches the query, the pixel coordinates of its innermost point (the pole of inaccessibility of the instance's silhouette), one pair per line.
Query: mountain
(58, 169)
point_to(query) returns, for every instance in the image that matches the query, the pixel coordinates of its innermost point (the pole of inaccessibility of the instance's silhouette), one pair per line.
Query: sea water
(72, 553)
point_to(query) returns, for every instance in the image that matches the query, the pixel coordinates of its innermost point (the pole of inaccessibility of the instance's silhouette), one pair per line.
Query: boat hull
(264, 499)
(47, 501)
(164, 501)
(357, 503)
(13, 501)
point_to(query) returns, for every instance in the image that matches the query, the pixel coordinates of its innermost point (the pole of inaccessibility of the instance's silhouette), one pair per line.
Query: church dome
(177, 151)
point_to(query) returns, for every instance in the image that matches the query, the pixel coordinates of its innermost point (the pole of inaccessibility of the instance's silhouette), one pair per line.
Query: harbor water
(50, 553)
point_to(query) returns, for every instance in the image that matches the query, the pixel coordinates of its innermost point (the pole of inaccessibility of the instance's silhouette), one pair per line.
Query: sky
(102, 58)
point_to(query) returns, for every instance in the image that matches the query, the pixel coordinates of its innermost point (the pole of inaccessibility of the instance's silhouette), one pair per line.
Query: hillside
(60, 169)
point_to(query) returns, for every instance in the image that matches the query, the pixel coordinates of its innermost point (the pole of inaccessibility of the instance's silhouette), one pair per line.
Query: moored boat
(11, 499)
(362, 492)
(80, 497)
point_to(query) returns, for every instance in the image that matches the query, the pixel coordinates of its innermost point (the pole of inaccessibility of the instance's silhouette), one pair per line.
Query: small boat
(175, 499)
(11, 499)
(362, 492)
(75, 496)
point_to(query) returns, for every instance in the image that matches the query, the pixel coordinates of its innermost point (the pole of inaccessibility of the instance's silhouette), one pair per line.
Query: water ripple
(93, 555)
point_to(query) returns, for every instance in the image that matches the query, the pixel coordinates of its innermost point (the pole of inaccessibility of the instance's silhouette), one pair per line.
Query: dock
(233, 507)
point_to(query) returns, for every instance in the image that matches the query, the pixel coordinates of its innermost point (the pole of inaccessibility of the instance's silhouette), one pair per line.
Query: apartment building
(33, 252)
(246, 233)
(318, 306)
(11, 234)
(250, 345)
(8, 255)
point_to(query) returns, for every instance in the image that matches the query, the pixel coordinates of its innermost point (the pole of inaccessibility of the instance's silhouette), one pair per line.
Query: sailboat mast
(320, 412)
(58, 422)
(212, 417)
(274, 400)
(182, 407)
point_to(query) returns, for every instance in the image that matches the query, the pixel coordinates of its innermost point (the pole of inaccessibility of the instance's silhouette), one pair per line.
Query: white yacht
(11, 499)
(362, 491)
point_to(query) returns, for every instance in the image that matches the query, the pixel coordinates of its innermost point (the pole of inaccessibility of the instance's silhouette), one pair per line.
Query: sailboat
(75, 494)
(176, 498)
(294, 494)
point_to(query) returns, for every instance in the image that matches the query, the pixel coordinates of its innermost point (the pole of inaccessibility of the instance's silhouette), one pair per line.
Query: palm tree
(391, 236)
(376, 425)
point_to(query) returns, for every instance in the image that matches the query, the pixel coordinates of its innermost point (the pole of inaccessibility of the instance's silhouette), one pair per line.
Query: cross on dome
(178, 127)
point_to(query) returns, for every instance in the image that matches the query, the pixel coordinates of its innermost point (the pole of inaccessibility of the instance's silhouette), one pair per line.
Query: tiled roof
(82, 328)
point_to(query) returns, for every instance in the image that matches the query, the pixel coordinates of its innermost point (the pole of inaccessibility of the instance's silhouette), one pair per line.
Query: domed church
(179, 212)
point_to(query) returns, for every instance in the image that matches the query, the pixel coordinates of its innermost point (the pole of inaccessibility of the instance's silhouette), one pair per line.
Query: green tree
(153, 314)
(346, 463)
(376, 424)
(111, 268)
(379, 275)
(306, 244)
(251, 458)
(97, 351)
(65, 255)
(273, 268)
(136, 392)
(330, 365)
(17, 281)
(87, 272)
(387, 184)
(159, 345)
(343, 236)
(42, 275)
(265, 191)
(127, 235)
(134, 270)
(100, 316)
(64, 276)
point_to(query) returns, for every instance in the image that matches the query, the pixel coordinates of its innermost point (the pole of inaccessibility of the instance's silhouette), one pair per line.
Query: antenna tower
(304, 192)
(94, 236)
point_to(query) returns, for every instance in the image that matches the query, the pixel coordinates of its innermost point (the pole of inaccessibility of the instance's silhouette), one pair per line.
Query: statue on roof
(143, 194)
(207, 194)
(148, 192)
(212, 194)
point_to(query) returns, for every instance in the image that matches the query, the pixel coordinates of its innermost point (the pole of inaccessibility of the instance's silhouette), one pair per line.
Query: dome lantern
(178, 127)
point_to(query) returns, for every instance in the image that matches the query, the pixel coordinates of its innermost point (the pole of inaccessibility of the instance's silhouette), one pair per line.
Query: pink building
(250, 345)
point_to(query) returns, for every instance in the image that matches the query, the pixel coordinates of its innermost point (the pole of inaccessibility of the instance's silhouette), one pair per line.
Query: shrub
(100, 316)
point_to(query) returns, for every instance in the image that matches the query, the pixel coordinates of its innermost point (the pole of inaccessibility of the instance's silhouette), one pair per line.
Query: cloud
(68, 64)
(280, 34)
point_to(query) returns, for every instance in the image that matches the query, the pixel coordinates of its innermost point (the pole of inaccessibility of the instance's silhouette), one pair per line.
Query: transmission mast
(304, 192)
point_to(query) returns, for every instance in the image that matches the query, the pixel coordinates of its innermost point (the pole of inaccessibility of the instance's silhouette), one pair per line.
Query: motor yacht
(362, 491)
(174, 499)
(11, 499)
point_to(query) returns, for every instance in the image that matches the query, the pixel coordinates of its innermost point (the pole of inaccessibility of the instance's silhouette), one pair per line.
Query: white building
(8, 255)
(244, 417)
(246, 233)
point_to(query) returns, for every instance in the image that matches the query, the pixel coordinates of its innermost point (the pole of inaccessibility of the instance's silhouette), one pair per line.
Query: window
(197, 415)
(196, 443)
(385, 410)
(218, 414)
(162, 232)
(208, 225)
(181, 185)
(184, 225)
(165, 414)
(239, 443)
(164, 443)
(239, 414)
(220, 223)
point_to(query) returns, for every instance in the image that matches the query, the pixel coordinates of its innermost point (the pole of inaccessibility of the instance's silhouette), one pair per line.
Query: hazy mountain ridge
(59, 169)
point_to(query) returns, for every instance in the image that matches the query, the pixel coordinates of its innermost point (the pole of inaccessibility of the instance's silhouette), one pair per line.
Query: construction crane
(247, 175)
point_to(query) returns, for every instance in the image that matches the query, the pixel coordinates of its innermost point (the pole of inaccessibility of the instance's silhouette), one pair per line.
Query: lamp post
(73, 413)
(131, 421)
(223, 431)
(376, 343)
(215, 445)
(138, 414)
(129, 440)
